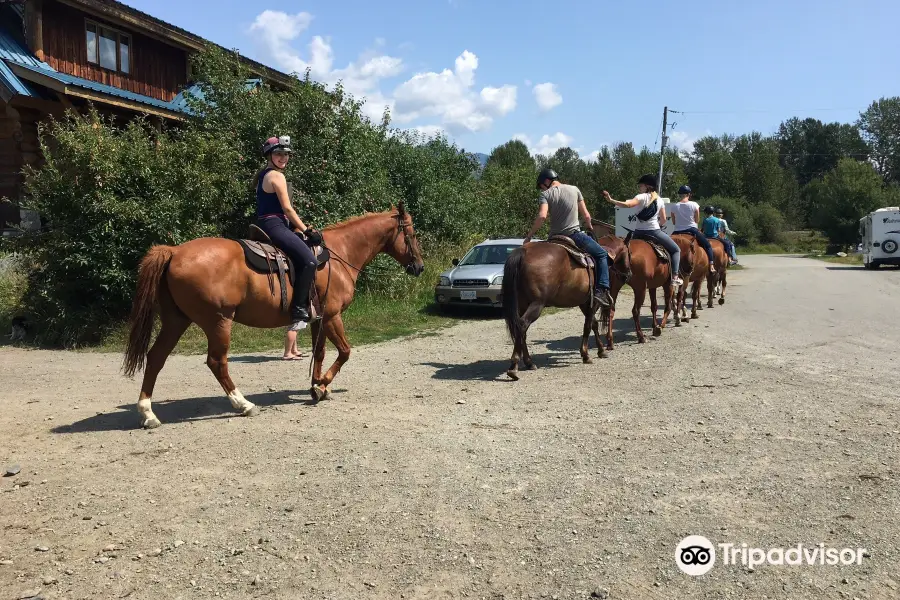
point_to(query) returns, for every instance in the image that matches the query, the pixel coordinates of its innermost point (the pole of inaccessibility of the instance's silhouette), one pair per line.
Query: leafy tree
(852, 190)
(811, 148)
(739, 218)
(880, 127)
(712, 170)
(513, 154)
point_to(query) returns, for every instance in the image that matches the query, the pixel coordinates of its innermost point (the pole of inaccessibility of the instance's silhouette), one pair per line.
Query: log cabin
(61, 54)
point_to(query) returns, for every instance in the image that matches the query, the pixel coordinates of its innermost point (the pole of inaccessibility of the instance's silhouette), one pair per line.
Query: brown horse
(647, 273)
(698, 272)
(207, 281)
(721, 274)
(543, 274)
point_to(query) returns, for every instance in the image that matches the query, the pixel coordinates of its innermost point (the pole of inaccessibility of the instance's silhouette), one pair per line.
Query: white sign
(627, 217)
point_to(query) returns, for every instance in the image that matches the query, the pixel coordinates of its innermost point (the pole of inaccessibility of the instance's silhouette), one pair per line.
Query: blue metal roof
(13, 51)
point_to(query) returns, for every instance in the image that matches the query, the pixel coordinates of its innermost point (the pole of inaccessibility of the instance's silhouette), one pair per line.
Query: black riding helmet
(546, 173)
(648, 179)
(685, 189)
(709, 210)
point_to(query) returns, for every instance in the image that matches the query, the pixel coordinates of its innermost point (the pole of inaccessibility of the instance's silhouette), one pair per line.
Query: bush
(768, 222)
(108, 195)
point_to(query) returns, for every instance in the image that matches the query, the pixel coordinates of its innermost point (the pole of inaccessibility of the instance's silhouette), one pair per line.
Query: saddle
(660, 251)
(263, 257)
(579, 257)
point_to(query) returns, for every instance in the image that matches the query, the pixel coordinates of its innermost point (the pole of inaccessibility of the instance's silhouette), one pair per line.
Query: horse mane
(363, 217)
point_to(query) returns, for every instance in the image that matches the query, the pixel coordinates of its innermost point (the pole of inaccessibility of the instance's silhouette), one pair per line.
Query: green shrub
(768, 222)
(739, 218)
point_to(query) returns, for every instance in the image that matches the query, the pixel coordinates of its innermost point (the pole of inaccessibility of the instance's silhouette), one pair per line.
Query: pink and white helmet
(282, 143)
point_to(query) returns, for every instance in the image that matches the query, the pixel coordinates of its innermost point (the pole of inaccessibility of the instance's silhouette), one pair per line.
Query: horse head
(404, 247)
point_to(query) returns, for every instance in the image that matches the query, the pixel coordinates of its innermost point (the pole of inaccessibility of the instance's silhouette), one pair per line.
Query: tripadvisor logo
(695, 555)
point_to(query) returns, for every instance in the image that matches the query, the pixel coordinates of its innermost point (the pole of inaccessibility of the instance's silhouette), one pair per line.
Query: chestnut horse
(543, 274)
(647, 273)
(720, 276)
(699, 271)
(207, 281)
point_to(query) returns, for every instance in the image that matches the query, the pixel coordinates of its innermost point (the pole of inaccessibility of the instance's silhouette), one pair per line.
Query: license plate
(467, 295)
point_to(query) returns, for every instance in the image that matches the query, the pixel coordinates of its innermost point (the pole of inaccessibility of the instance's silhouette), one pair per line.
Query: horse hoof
(512, 375)
(587, 360)
(642, 340)
(151, 423)
(530, 367)
(317, 393)
(657, 331)
(251, 412)
(721, 300)
(602, 354)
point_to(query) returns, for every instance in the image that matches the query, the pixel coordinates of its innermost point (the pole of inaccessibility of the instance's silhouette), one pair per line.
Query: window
(109, 48)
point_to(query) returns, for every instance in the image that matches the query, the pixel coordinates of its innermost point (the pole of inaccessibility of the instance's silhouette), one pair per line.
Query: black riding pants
(300, 254)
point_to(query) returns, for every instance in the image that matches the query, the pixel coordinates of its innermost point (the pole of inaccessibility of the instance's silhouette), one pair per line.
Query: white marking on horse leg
(247, 408)
(148, 419)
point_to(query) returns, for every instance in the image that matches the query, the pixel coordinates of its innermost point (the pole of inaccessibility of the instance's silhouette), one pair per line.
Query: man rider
(563, 203)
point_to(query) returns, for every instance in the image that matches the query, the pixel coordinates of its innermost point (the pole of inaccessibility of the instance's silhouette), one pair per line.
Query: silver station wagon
(477, 279)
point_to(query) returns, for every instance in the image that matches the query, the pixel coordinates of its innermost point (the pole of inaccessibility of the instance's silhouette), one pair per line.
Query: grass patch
(790, 242)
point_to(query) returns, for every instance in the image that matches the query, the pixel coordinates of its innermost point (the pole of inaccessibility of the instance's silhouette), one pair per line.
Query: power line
(762, 110)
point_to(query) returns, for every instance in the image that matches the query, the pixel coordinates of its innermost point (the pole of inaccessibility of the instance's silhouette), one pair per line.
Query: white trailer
(880, 233)
(627, 217)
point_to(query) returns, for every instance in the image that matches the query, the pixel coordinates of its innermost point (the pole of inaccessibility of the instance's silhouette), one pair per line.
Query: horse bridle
(408, 237)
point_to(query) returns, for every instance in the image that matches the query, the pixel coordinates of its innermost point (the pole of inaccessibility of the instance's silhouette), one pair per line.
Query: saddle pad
(660, 251)
(580, 258)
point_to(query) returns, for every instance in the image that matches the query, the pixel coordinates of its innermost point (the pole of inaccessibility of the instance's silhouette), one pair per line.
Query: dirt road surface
(770, 421)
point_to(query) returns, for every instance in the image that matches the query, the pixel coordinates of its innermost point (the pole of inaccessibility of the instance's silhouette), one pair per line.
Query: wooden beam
(34, 27)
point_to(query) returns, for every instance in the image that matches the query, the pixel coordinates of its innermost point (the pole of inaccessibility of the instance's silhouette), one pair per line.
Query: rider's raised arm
(627, 204)
(279, 186)
(543, 211)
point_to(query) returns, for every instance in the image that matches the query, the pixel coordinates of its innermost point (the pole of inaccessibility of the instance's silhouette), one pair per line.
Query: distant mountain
(482, 158)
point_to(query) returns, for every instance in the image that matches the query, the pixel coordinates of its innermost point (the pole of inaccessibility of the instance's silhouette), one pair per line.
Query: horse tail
(511, 271)
(151, 271)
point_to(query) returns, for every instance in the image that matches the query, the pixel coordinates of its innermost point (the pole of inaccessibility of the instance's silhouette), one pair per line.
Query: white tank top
(652, 222)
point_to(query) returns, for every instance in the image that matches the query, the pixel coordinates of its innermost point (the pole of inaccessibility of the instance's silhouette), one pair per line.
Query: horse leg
(586, 333)
(639, 294)
(174, 324)
(679, 305)
(218, 337)
(318, 348)
(531, 315)
(657, 331)
(334, 330)
(595, 324)
(724, 285)
(668, 302)
(711, 289)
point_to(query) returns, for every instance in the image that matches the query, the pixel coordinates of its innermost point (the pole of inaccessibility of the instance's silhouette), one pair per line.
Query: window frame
(95, 59)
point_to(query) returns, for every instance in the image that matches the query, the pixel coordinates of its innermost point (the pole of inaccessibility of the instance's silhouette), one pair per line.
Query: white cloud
(360, 78)
(592, 157)
(430, 131)
(547, 96)
(682, 141)
(548, 144)
(450, 96)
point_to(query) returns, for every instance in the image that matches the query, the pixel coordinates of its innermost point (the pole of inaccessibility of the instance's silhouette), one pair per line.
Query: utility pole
(662, 150)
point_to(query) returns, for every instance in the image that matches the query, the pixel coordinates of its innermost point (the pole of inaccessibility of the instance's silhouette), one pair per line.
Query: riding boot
(300, 300)
(602, 298)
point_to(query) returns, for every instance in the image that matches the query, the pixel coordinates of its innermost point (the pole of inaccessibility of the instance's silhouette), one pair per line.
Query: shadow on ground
(181, 411)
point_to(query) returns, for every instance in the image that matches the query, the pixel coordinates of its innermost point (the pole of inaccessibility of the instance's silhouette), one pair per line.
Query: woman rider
(275, 214)
(685, 216)
(648, 220)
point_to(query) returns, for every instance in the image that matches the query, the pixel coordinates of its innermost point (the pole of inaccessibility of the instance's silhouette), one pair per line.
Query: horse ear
(401, 208)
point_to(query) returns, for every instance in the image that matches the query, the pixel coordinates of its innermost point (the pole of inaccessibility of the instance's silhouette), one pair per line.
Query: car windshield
(493, 254)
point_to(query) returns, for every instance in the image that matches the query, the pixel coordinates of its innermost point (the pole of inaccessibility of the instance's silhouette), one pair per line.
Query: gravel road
(770, 421)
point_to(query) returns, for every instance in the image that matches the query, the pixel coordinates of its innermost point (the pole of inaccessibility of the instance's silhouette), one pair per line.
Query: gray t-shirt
(563, 202)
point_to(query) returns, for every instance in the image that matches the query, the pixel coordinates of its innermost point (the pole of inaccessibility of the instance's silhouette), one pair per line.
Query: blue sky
(583, 74)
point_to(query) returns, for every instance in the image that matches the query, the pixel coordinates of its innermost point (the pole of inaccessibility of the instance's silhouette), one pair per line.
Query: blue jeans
(701, 239)
(587, 243)
(666, 242)
(729, 248)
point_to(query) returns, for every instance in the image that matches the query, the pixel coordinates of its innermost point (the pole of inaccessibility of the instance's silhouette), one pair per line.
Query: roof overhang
(60, 87)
